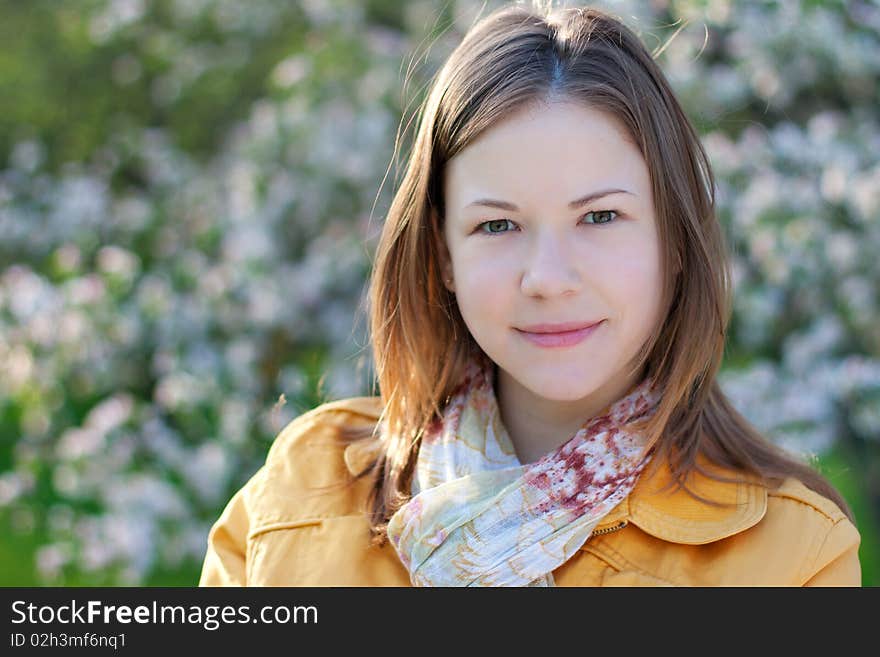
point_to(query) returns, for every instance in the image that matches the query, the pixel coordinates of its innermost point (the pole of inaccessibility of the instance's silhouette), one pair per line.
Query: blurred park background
(190, 195)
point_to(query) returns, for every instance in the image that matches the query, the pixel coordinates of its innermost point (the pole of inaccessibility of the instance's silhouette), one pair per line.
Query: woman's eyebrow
(583, 200)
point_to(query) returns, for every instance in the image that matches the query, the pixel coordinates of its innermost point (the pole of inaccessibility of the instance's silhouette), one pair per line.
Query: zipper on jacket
(608, 530)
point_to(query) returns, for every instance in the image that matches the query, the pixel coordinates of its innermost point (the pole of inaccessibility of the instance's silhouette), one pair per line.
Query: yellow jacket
(275, 532)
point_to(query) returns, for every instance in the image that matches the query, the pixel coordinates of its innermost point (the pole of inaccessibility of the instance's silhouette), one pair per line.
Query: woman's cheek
(640, 284)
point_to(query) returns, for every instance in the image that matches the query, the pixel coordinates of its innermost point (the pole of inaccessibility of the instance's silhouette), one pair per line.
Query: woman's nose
(550, 268)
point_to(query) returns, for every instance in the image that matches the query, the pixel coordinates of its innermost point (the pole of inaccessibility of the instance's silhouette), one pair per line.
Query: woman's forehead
(564, 150)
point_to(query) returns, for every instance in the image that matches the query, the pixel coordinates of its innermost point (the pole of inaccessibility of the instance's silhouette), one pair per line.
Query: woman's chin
(560, 389)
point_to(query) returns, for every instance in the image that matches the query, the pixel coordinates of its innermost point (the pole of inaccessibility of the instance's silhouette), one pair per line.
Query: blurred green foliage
(57, 85)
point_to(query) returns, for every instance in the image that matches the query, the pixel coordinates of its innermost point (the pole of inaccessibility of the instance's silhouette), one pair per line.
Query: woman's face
(539, 260)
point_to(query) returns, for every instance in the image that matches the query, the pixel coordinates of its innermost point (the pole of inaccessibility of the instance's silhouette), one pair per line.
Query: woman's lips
(561, 339)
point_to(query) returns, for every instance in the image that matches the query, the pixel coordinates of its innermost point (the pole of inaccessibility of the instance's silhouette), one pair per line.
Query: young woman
(548, 312)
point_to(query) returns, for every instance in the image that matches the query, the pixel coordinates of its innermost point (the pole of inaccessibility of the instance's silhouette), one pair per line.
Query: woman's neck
(537, 425)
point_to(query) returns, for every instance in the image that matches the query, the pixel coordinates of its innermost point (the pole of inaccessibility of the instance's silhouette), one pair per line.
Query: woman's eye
(602, 216)
(497, 226)
(494, 226)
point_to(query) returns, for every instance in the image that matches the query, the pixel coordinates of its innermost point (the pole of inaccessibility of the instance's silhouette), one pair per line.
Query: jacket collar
(671, 515)
(676, 516)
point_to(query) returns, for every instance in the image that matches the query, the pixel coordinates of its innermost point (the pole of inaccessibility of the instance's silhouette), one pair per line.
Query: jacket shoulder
(792, 492)
(305, 475)
(317, 429)
(301, 482)
(827, 540)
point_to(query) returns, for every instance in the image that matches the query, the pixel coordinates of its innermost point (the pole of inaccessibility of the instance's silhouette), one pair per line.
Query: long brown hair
(513, 57)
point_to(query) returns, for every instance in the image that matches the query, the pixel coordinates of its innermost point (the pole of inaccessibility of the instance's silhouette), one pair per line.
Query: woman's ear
(446, 269)
(444, 258)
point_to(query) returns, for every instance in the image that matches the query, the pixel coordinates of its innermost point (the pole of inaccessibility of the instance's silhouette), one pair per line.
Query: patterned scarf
(478, 517)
